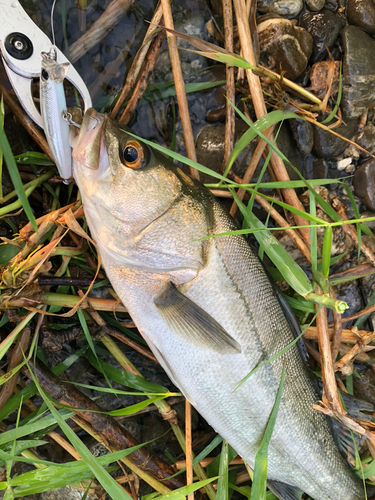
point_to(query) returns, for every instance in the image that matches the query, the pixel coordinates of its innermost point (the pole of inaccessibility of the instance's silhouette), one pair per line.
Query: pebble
(358, 71)
(361, 13)
(327, 145)
(324, 27)
(364, 183)
(287, 8)
(284, 47)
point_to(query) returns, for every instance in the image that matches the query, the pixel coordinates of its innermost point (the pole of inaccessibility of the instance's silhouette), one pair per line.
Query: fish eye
(133, 155)
(44, 75)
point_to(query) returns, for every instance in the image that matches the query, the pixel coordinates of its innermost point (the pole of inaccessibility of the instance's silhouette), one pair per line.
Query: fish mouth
(89, 147)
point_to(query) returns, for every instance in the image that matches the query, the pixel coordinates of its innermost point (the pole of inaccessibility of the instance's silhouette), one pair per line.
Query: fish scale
(208, 312)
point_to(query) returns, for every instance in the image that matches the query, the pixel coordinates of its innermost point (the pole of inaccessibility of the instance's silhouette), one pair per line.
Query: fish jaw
(89, 146)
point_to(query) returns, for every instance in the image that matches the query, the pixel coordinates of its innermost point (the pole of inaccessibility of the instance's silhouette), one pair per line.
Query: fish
(206, 308)
(54, 111)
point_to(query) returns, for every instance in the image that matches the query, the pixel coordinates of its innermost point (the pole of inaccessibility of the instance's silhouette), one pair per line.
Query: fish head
(125, 185)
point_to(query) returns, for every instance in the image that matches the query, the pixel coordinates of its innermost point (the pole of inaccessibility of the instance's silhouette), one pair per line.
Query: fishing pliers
(21, 46)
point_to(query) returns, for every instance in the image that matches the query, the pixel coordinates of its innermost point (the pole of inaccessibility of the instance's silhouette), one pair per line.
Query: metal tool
(21, 45)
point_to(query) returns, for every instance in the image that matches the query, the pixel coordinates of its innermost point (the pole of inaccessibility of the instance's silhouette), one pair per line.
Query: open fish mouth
(89, 147)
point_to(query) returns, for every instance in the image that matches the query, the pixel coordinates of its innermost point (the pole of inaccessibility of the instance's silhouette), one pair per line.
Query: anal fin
(285, 491)
(190, 322)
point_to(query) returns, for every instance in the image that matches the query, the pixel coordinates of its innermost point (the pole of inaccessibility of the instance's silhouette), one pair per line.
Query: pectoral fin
(187, 320)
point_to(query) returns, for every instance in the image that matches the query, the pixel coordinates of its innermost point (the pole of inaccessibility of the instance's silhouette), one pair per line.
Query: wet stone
(364, 183)
(361, 13)
(327, 145)
(303, 135)
(287, 8)
(366, 139)
(320, 76)
(284, 47)
(358, 74)
(324, 27)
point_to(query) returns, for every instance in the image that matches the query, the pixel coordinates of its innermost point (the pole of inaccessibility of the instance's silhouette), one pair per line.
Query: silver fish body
(53, 106)
(205, 307)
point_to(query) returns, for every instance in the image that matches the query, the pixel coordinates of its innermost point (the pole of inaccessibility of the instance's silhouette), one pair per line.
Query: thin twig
(138, 61)
(180, 88)
(188, 449)
(142, 83)
(106, 22)
(260, 110)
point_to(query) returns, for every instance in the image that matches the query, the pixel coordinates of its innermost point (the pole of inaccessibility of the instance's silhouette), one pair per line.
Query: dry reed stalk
(260, 110)
(328, 372)
(347, 337)
(142, 83)
(180, 88)
(107, 21)
(231, 93)
(138, 61)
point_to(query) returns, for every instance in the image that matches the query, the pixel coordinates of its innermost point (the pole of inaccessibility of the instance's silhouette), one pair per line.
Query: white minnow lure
(54, 111)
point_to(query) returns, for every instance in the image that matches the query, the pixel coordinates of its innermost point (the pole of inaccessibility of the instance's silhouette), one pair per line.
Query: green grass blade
(291, 271)
(109, 484)
(222, 484)
(124, 378)
(182, 159)
(259, 487)
(326, 251)
(181, 493)
(16, 179)
(28, 429)
(313, 235)
(255, 129)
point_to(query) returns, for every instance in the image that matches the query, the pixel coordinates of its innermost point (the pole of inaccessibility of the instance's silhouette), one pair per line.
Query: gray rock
(366, 139)
(315, 5)
(303, 134)
(287, 8)
(358, 71)
(324, 27)
(362, 14)
(327, 145)
(364, 183)
(284, 47)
